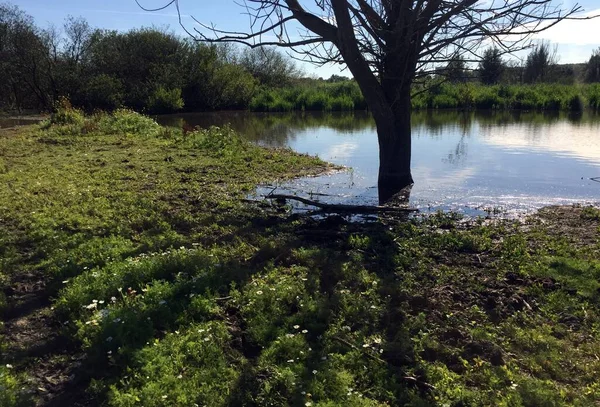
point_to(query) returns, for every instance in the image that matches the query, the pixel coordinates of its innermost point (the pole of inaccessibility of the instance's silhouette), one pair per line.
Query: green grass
(179, 293)
(346, 96)
(546, 97)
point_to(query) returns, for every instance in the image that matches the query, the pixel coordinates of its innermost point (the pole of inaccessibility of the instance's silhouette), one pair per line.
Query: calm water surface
(8, 122)
(510, 161)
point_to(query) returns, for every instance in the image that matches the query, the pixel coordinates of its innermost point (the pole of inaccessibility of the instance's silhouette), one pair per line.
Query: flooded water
(8, 122)
(470, 162)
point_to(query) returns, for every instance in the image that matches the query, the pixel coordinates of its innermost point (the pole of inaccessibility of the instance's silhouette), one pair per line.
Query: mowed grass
(180, 293)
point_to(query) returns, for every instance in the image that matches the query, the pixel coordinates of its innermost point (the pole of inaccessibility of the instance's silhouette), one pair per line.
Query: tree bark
(394, 135)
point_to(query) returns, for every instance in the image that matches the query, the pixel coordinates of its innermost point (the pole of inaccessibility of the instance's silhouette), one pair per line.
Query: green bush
(164, 101)
(65, 114)
(217, 140)
(10, 396)
(576, 103)
(104, 92)
(316, 100)
(444, 102)
(263, 101)
(527, 99)
(488, 98)
(193, 367)
(593, 96)
(342, 103)
(124, 121)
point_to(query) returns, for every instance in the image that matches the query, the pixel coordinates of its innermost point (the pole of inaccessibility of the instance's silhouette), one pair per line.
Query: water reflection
(8, 122)
(273, 129)
(461, 160)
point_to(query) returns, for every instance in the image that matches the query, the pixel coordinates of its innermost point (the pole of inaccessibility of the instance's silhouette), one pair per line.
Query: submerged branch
(341, 207)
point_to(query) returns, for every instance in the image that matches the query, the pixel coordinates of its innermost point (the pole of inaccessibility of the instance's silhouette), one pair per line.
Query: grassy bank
(346, 96)
(168, 289)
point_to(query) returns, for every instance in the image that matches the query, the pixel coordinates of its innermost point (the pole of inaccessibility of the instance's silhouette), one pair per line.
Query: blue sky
(575, 39)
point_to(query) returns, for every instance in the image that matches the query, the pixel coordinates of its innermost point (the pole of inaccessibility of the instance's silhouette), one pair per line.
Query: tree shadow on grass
(358, 347)
(353, 319)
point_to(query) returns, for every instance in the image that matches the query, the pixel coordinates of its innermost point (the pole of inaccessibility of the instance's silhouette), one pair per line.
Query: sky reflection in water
(462, 161)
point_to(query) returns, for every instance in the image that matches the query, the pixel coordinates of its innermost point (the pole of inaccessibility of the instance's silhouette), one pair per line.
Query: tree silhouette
(491, 66)
(539, 63)
(456, 70)
(592, 70)
(387, 45)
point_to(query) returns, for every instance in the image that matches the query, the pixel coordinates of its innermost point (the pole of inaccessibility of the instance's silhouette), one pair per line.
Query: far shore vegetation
(153, 71)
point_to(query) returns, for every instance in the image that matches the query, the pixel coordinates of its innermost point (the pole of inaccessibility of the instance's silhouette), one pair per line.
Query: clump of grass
(590, 213)
(324, 97)
(124, 121)
(11, 394)
(188, 367)
(66, 115)
(593, 96)
(576, 103)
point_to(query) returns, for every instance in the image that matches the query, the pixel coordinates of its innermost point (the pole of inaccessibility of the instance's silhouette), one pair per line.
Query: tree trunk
(394, 134)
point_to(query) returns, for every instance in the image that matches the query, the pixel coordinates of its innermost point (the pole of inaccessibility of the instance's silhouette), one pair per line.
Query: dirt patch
(571, 222)
(35, 346)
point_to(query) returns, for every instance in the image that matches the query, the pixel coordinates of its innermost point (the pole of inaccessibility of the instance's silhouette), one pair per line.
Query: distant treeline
(146, 69)
(154, 71)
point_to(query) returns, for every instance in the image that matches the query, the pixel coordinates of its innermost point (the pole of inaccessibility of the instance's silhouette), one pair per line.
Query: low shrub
(103, 92)
(124, 121)
(576, 103)
(342, 103)
(65, 114)
(165, 101)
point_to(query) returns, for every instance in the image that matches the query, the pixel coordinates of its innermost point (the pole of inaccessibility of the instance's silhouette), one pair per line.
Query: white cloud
(341, 151)
(574, 32)
(560, 138)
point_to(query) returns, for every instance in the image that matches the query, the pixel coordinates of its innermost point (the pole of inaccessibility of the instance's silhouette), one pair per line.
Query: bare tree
(387, 45)
(269, 66)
